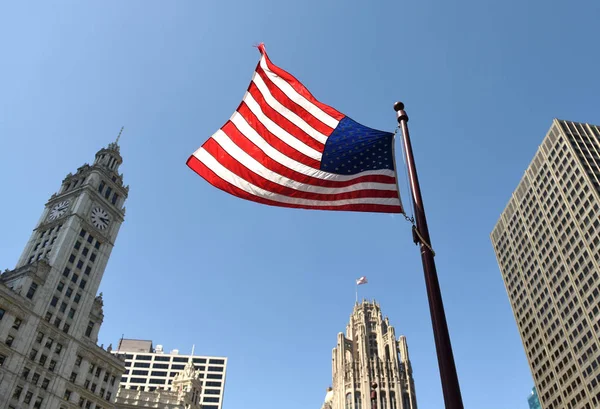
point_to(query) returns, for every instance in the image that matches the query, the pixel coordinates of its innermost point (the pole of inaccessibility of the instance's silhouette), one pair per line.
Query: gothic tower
(370, 366)
(49, 312)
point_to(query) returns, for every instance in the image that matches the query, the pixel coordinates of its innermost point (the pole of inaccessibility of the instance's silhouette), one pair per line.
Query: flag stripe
(284, 123)
(298, 92)
(254, 124)
(250, 163)
(211, 176)
(284, 111)
(293, 106)
(275, 130)
(239, 130)
(227, 175)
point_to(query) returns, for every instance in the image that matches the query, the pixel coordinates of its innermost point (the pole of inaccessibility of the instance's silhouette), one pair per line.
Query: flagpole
(448, 375)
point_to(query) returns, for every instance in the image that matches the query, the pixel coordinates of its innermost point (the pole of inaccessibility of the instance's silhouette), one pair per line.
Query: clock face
(58, 210)
(100, 218)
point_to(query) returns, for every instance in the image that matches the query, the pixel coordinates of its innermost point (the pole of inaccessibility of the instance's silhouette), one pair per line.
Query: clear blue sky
(270, 288)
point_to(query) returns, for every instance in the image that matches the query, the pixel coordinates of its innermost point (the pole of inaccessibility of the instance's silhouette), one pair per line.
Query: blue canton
(353, 148)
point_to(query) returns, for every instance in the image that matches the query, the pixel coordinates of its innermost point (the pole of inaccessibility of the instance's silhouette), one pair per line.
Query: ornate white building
(49, 312)
(370, 367)
(184, 393)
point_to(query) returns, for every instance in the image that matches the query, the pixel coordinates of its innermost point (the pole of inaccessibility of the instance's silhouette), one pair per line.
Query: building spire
(119, 135)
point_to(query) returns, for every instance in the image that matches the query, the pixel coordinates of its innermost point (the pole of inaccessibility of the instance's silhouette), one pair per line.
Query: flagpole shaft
(448, 375)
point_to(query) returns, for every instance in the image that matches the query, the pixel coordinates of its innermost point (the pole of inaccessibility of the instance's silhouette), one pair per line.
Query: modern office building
(151, 370)
(49, 311)
(547, 247)
(533, 400)
(370, 366)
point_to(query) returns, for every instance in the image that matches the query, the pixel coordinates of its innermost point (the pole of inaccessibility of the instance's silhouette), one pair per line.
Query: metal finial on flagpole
(448, 375)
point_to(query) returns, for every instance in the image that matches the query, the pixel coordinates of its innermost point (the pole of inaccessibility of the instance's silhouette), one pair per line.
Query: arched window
(387, 352)
(348, 401)
(357, 400)
(383, 400)
(393, 400)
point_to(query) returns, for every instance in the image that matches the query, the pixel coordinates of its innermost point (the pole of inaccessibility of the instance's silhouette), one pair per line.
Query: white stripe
(286, 112)
(277, 131)
(254, 190)
(238, 120)
(253, 165)
(288, 90)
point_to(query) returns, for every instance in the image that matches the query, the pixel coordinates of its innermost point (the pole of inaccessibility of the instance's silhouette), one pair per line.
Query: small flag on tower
(362, 280)
(282, 147)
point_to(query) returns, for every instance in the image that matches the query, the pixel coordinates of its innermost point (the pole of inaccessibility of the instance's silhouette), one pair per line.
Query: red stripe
(274, 141)
(282, 121)
(255, 152)
(300, 89)
(287, 102)
(219, 183)
(229, 162)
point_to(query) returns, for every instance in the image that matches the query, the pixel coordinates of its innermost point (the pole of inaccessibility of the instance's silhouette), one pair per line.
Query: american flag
(282, 147)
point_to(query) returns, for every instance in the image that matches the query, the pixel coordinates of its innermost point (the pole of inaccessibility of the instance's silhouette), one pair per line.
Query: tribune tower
(370, 367)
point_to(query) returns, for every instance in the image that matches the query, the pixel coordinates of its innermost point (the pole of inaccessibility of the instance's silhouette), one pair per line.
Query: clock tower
(51, 294)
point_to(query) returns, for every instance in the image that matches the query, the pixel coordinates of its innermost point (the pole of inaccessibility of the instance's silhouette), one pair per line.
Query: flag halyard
(283, 147)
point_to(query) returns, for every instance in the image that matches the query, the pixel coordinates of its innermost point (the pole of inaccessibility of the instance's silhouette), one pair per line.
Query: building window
(69, 292)
(88, 269)
(17, 323)
(97, 245)
(32, 289)
(60, 286)
(33, 354)
(74, 278)
(215, 361)
(73, 377)
(78, 360)
(49, 342)
(52, 365)
(63, 307)
(54, 301)
(25, 373)
(77, 245)
(108, 192)
(38, 402)
(2, 311)
(90, 239)
(71, 313)
(67, 395)
(114, 199)
(58, 348)
(57, 322)
(66, 328)
(72, 258)
(82, 284)
(98, 371)
(43, 359)
(214, 376)
(48, 316)
(39, 337)
(101, 187)
(215, 368)
(9, 340)
(79, 264)
(77, 297)
(67, 270)
(45, 383)
(82, 233)
(93, 257)
(17, 392)
(89, 329)
(2, 359)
